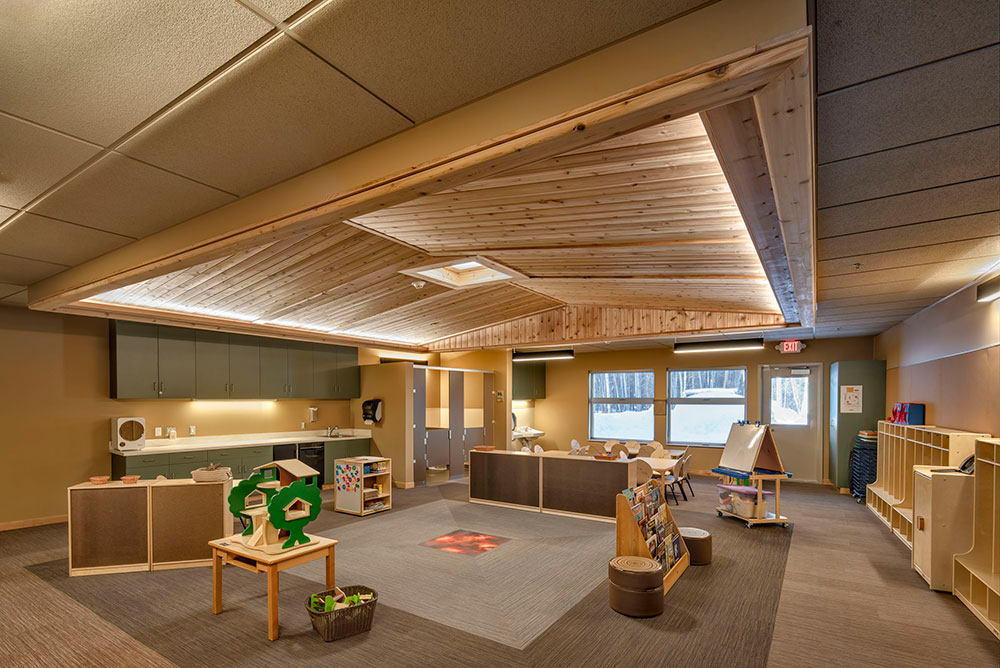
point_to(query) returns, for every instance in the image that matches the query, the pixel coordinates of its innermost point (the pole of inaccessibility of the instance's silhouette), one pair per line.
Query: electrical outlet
(500, 396)
(158, 431)
(191, 431)
(302, 425)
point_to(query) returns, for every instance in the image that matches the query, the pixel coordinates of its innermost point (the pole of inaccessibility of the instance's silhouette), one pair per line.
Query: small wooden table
(660, 466)
(229, 551)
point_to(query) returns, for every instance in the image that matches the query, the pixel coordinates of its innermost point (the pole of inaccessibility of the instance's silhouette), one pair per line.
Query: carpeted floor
(733, 612)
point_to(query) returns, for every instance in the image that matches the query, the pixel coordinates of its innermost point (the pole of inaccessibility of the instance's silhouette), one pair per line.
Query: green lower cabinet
(341, 450)
(253, 457)
(182, 463)
(147, 467)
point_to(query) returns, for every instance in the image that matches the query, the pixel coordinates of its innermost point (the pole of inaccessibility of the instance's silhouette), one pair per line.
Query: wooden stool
(699, 544)
(636, 586)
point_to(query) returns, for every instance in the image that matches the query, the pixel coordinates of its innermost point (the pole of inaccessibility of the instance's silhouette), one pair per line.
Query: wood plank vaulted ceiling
(644, 220)
(191, 106)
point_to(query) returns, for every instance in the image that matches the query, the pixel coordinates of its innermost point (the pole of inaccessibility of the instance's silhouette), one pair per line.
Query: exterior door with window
(791, 404)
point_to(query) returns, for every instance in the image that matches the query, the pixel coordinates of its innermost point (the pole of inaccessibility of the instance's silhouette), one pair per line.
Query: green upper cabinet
(273, 368)
(211, 350)
(324, 371)
(300, 369)
(244, 367)
(348, 373)
(336, 374)
(155, 361)
(176, 361)
(227, 366)
(528, 380)
(134, 364)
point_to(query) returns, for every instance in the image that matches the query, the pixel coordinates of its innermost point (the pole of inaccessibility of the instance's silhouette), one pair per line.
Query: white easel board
(750, 447)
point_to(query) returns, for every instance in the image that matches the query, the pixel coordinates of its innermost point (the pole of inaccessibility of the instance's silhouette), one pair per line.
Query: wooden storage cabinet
(182, 463)
(360, 482)
(942, 522)
(528, 380)
(900, 448)
(977, 572)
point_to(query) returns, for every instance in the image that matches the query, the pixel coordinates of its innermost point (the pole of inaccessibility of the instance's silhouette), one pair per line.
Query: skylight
(465, 273)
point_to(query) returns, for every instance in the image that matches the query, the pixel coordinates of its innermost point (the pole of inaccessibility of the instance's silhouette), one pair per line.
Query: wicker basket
(345, 622)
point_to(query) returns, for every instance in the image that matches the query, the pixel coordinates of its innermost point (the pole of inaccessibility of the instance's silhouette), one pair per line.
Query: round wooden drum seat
(636, 602)
(635, 572)
(699, 545)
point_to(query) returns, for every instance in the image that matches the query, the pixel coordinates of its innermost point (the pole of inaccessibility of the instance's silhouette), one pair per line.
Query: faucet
(330, 430)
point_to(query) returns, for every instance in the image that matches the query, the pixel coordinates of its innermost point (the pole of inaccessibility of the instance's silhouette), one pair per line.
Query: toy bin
(742, 501)
(345, 622)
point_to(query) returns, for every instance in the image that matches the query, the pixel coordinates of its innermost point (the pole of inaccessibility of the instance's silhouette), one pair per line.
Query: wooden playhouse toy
(749, 459)
(278, 500)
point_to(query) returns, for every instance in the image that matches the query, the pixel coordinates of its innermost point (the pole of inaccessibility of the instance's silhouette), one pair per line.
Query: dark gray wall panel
(964, 157)
(858, 40)
(910, 236)
(941, 99)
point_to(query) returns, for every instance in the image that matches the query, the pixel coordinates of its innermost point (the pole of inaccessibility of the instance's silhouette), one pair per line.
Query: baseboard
(403, 485)
(34, 522)
(844, 490)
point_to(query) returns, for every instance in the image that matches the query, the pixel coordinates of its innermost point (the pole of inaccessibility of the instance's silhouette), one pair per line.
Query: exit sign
(793, 346)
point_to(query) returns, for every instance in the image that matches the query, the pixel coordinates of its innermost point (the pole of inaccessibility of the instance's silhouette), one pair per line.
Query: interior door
(791, 403)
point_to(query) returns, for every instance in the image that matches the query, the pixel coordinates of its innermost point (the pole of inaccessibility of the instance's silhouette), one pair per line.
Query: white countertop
(162, 446)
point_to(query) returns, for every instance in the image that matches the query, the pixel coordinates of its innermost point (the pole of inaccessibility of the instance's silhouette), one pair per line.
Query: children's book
(629, 496)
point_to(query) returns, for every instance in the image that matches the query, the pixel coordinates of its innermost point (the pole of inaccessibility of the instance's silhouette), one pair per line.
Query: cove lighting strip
(988, 291)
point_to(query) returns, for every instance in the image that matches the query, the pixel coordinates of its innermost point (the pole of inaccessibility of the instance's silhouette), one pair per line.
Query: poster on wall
(850, 398)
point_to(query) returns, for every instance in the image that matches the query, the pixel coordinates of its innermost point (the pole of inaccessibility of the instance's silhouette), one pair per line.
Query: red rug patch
(469, 543)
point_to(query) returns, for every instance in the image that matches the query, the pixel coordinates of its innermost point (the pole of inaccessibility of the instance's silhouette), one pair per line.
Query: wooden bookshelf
(360, 482)
(630, 540)
(900, 448)
(977, 572)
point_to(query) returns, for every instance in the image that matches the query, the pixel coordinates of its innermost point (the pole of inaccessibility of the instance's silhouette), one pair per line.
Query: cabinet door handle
(920, 524)
(154, 386)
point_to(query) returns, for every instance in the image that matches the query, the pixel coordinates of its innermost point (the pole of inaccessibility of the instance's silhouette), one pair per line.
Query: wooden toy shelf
(900, 448)
(751, 458)
(630, 541)
(977, 572)
(360, 482)
(756, 481)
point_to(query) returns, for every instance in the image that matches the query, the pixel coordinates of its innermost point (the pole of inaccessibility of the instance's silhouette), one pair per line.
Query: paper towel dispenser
(371, 411)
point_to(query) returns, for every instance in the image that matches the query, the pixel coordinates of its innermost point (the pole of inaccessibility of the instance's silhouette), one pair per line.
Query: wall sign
(790, 346)
(850, 398)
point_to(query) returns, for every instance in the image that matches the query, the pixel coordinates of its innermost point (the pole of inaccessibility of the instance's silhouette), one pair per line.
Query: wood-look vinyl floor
(844, 596)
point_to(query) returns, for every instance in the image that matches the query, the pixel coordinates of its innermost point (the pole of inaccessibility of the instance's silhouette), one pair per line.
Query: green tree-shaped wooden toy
(238, 497)
(292, 508)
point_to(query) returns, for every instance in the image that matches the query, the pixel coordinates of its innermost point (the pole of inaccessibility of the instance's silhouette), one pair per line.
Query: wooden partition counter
(549, 482)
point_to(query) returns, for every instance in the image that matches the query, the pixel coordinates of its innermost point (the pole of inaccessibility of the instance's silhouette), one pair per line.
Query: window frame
(718, 401)
(600, 400)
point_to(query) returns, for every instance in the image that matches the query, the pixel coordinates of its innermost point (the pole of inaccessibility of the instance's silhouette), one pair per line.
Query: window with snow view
(621, 405)
(702, 404)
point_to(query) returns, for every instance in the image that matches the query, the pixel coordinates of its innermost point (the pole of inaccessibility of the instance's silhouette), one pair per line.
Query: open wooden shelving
(977, 572)
(900, 448)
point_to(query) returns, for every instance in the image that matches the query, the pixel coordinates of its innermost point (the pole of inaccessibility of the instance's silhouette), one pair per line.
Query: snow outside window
(703, 404)
(621, 405)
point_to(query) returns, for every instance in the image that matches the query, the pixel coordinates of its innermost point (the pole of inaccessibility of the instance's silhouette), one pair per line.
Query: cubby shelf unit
(977, 572)
(900, 448)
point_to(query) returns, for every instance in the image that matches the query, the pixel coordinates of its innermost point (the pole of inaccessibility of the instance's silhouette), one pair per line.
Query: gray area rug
(510, 594)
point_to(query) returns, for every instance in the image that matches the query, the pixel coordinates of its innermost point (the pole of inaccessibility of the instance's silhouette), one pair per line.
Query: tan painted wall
(393, 436)
(562, 414)
(947, 357)
(55, 410)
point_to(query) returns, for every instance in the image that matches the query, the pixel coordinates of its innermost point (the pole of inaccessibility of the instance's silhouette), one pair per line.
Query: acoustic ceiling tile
(22, 271)
(19, 298)
(7, 289)
(98, 69)
(40, 238)
(281, 112)
(965, 157)
(33, 158)
(446, 53)
(6, 213)
(857, 40)
(935, 204)
(124, 196)
(280, 9)
(940, 99)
